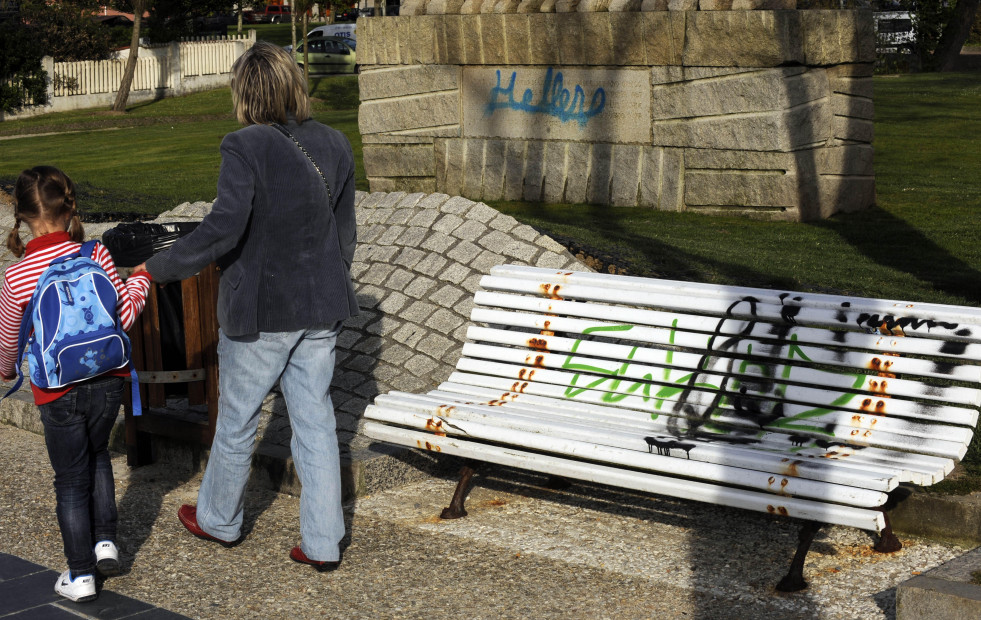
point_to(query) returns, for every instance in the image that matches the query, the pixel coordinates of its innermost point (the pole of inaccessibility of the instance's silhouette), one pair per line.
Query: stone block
(764, 5)
(544, 39)
(715, 5)
(566, 6)
(450, 171)
(650, 177)
(743, 38)
(421, 37)
(473, 43)
(548, 6)
(600, 174)
(401, 81)
(625, 185)
(758, 91)
(593, 6)
(741, 189)
(444, 7)
(472, 7)
(853, 107)
(495, 164)
(518, 38)
(492, 40)
(781, 130)
(671, 196)
(629, 42)
(572, 50)
(514, 169)
(853, 129)
(452, 43)
(368, 44)
(530, 6)
(577, 160)
(629, 6)
(405, 184)
(848, 85)
(534, 171)
(614, 104)
(844, 195)
(597, 31)
(390, 32)
(845, 160)
(413, 7)
(838, 37)
(507, 6)
(414, 112)
(664, 33)
(473, 169)
(654, 5)
(682, 5)
(555, 173)
(488, 6)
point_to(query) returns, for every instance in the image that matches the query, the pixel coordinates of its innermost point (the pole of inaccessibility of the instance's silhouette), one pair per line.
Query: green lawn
(158, 154)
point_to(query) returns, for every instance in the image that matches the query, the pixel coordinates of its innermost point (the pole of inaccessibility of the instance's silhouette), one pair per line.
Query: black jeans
(76, 432)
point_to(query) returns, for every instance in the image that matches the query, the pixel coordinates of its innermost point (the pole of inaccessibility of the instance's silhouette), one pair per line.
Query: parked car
(328, 55)
(269, 14)
(894, 32)
(334, 30)
(346, 15)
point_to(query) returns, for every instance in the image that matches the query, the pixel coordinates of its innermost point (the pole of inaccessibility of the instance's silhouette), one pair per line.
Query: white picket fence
(161, 71)
(153, 69)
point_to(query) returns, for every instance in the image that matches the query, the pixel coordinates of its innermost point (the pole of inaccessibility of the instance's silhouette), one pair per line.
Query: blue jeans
(76, 432)
(303, 363)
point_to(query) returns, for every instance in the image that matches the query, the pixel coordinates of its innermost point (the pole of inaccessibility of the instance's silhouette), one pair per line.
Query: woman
(283, 232)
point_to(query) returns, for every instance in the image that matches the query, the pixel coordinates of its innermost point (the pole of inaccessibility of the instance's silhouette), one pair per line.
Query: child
(77, 418)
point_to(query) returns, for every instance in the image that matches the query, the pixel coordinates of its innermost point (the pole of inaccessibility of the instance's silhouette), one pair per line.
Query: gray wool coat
(285, 257)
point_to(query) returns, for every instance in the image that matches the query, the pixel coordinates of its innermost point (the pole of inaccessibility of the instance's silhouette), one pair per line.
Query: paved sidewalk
(524, 552)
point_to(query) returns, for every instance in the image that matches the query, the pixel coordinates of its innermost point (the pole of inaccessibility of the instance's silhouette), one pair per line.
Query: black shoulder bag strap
(285, 132)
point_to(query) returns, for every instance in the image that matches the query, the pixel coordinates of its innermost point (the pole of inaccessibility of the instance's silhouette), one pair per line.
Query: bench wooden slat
(787, 351)
(444, 410)
(915, 468)
(915, 318)
(756, 329)
(778, 387)
(695, 397)
(638, 481)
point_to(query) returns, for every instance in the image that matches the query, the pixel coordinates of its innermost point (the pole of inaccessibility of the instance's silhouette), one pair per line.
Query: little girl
(77, 418)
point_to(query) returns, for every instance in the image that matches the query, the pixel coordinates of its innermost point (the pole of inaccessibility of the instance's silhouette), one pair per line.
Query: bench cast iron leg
(456, 509)
(794, 580)
(888, 542)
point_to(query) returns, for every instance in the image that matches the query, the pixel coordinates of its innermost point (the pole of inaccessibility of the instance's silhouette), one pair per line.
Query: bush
(23, 79)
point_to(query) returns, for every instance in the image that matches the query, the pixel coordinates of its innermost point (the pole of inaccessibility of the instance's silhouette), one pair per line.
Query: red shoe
(188, 516)
(297, 555)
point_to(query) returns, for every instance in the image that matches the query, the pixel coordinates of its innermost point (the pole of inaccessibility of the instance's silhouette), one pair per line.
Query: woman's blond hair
(45, 193)
(268, 87)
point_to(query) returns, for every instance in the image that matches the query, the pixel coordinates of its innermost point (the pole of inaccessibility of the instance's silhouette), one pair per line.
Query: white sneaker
(107, 558)
(81, 590)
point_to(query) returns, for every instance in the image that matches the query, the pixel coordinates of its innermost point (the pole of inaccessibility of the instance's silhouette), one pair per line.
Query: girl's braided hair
(44, 193)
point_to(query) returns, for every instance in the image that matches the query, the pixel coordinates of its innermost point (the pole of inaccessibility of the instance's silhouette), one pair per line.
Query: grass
(921, 240)
(159, 154)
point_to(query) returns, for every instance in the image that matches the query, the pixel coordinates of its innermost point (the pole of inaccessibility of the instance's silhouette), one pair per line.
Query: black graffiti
(664, 446)
(890, 322)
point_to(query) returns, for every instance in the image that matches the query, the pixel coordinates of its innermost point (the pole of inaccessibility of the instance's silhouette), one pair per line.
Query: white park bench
(797, 404)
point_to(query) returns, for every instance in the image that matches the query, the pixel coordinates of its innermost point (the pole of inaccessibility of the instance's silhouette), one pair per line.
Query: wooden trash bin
(199, 296)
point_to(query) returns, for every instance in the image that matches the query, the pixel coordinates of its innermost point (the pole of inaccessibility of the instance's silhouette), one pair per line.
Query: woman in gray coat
(283, 232)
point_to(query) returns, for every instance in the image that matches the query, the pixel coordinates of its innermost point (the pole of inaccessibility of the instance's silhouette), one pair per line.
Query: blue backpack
(71, 329)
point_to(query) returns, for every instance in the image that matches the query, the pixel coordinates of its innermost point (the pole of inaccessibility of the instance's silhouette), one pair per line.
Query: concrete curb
(944, 593)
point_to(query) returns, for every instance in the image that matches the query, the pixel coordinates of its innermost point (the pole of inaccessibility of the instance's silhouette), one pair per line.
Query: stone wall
(763, 112)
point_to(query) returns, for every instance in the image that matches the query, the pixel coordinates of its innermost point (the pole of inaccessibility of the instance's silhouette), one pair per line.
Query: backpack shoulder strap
(88, 249)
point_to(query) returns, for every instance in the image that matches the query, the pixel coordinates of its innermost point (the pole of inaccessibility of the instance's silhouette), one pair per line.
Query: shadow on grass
(894, 243)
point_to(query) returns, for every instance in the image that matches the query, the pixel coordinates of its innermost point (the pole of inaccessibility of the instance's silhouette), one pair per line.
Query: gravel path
(523, 552)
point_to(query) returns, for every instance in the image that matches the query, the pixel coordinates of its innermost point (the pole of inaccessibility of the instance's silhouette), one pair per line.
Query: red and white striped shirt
(20, 280)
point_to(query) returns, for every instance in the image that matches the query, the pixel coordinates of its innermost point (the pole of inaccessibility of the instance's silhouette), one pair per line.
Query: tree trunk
(954, 34)
(240, 18)
(306, 52)
(293, 29)
(122, 95)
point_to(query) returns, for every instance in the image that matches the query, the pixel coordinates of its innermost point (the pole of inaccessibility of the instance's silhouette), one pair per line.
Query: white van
(894, 32)
(334, 30)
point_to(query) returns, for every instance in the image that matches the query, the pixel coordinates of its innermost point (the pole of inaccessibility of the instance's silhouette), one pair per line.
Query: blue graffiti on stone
(556, 100)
